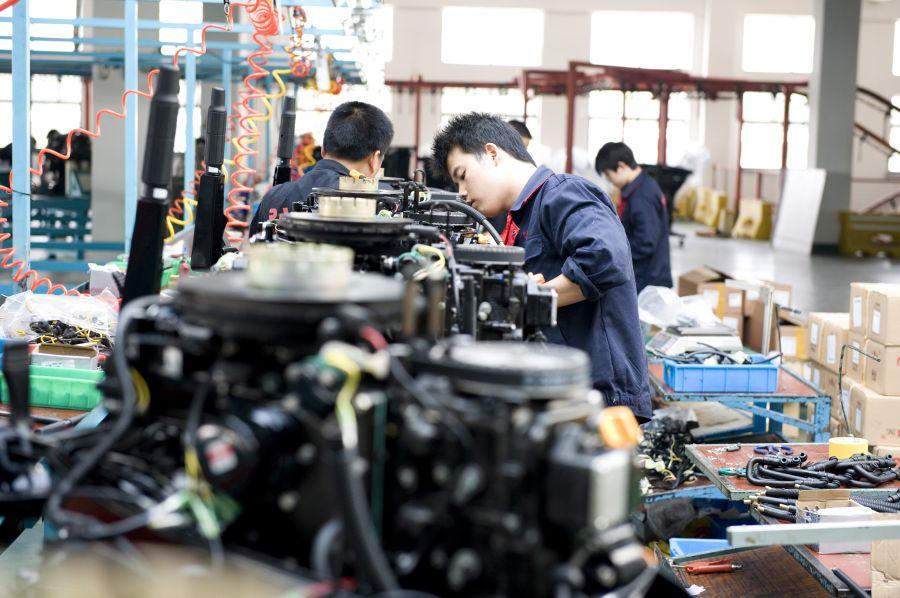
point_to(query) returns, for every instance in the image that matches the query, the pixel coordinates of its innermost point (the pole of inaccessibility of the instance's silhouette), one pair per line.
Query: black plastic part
(160, 144)
(209, 223)
(471, 253)
(145, 254)
(15, 370)
(365, 236)
(216, 120)
(286, 132)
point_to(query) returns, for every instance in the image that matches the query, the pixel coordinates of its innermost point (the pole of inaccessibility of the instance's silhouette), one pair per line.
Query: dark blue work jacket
(567, 225)
(646, 223)
(277, 201)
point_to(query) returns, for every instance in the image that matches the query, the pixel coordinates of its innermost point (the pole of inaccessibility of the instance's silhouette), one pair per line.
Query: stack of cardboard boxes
(827, 334)
(872, 389)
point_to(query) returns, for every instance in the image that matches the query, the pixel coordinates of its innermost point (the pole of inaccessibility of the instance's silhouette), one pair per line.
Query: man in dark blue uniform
(357, 137)
(643, 212)
(572, 239)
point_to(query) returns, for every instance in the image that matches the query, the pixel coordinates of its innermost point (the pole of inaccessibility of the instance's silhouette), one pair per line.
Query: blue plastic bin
(687, 546)
(758, 377)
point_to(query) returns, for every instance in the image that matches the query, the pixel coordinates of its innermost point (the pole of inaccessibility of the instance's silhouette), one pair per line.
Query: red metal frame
(583, 77)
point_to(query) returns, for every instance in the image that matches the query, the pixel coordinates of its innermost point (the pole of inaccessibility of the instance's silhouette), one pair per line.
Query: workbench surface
(709, 458)
(858, 566)
(765, 572)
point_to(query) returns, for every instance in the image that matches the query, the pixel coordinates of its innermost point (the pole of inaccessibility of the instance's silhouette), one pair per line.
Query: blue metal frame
(21, 177)
(131, 120)
(23, 62)
(766, 409)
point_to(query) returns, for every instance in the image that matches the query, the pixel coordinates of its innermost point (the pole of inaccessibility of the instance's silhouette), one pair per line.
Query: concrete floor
(820, 283)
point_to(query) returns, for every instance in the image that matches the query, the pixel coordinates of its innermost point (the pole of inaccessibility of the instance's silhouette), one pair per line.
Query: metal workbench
(766, 408)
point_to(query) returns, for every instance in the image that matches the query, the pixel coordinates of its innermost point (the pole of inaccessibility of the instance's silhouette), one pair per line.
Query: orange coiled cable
(21, 273)
(265, 21)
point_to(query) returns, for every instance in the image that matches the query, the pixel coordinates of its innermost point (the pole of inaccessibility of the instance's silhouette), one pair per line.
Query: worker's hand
(539, 278)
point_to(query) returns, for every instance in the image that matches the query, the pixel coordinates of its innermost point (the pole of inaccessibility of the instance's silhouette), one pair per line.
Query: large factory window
(57, 9)
(778, 43)
(178, 11)
(55, 104)
(761, 139)
(181, 122)
(666, 39)
(505, 103)
(314, 107)
(633, 117)
(492, 36)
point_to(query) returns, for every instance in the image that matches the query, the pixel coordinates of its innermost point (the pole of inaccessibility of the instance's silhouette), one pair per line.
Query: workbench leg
(759, 421)
(774, 424)
(822, 420)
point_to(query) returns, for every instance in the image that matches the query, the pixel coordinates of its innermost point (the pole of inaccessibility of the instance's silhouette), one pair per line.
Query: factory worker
(357, 137)
(573, 241)
(643, 212)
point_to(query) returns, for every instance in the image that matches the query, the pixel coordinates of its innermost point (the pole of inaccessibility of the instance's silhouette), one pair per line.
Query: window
(633, 117)
(492, 36)
(666, 39)
(314, 107)
(894, 139)
(183, 12)
(505, 103)
(181, 122)
(762, 137)
(55, 104)
(778, 43)
(58, 9)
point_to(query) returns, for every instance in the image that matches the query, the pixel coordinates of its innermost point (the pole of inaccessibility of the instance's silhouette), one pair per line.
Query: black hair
(355, 130)
(611, 154)
(470, 133)
(520, 128)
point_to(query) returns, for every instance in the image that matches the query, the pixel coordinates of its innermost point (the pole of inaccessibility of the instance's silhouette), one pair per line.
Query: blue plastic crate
(757, 377)
(687, 546)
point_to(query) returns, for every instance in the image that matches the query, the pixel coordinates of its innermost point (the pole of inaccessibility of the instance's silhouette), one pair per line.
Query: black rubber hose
(320, 555)
(469, 211)
(777, 513)
(782, 493)
(772, 500)
(875, 478)
(358, 524)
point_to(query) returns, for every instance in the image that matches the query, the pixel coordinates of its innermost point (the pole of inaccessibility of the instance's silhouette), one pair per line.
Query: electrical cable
(469, 211)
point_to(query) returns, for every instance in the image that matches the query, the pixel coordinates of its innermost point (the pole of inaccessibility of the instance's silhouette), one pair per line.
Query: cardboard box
(817, 321)
(830, 506)
(714, 295)
(884, 314)
(689, 282)
(828, 383)
(812, 373)
(797, 366)
(885, 563)
(838, 427)
(833, 337)
(854, 361)
(781, 293)
(859, 305)
(65, 356)
(874, 416)
(883, 376)
(753, 326)
(886, 450)
(840, 405)
(798, 411)
(735, 322)
(792, 315)
(794, 342)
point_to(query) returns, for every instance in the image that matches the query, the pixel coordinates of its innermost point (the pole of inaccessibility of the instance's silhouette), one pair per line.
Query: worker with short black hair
(642, 208)
(573, 242)
(357, 138)
(522, 130)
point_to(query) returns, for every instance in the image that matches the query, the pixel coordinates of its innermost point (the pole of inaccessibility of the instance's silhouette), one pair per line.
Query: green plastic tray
(61, 388)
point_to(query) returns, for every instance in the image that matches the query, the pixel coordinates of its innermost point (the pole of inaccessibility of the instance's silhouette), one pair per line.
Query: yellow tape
(844, 447)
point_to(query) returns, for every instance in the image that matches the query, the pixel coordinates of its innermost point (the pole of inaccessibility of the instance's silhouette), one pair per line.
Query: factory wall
(717, 52)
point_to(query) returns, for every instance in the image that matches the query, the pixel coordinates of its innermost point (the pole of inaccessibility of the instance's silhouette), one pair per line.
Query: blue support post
(226, 83)
(131, 119)
(21, 97)
(190, 82)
